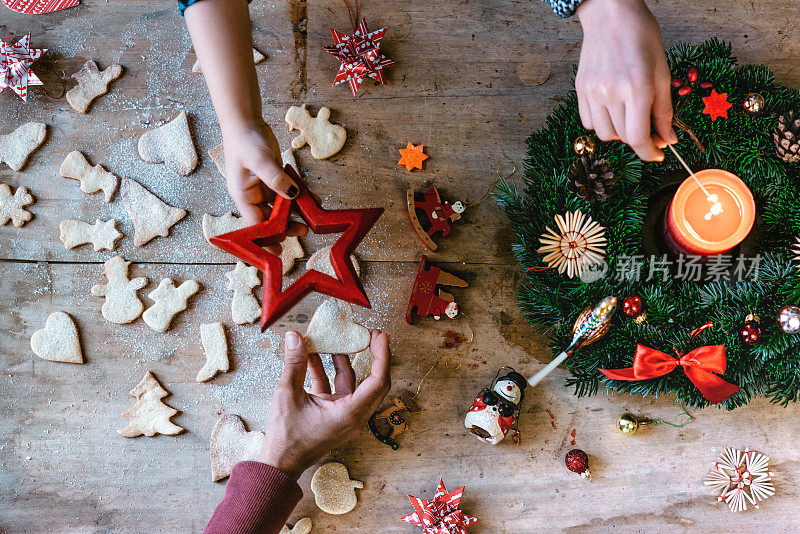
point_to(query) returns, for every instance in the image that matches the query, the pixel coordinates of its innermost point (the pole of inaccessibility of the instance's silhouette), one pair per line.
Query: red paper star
(15, 66)
(441, 515)
(412, 157)
(360, 55)
(717, 105)
(246, 244)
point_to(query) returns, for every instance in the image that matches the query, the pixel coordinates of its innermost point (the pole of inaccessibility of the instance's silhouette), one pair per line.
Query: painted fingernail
(292, 191)
(292, 340)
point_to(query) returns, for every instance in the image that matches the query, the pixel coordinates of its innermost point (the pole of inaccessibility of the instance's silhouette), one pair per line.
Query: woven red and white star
(441, 515)
(37, 7)
(15, 66)
(360, 55)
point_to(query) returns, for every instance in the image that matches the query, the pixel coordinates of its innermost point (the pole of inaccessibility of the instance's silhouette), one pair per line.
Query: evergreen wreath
(741, 144)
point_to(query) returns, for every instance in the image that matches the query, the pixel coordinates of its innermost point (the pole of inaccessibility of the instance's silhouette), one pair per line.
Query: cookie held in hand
(332, 330)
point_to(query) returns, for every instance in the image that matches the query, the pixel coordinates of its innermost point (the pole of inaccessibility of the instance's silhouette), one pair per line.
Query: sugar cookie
(168, 301)
(258, 57)
(170, 144)
(321, 261)
(215, 347)
(103, 235)
(58, 340)
(17, 147)
(232, 443)
(12, 207)
(333, 489)
(122, 303)
(303, 526)
(150, 415)
(244, 306)
(214, 226)
(92, 83)
(92, 179)
(324, 137)
(333, 331)
(151, 216)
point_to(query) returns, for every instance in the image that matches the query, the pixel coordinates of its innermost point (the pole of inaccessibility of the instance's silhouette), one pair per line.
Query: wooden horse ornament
(438, 215)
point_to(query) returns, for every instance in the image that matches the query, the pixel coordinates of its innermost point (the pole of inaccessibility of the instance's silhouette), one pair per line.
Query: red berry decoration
(632, 306)
(577, 461)
(676, 82)
(692, 74)
(706, 85)
(685, 90)
(751, 330)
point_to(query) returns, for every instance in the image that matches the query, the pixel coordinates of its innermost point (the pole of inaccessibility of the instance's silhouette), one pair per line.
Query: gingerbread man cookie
(324, 137)
(92, 83)
(168, 301)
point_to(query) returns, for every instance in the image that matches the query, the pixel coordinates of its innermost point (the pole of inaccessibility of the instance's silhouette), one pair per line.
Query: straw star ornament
(578, 243)
(15, 65)
(740, 477)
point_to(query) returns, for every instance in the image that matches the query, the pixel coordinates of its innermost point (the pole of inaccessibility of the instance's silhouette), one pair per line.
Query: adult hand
(623, 78)
(303, 427)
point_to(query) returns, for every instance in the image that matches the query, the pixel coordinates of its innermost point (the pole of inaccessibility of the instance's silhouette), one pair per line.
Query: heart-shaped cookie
(333, 331)
(58, 340)
(232, 443)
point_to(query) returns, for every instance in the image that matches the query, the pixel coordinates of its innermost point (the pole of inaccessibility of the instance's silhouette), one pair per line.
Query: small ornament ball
(751, 329)
(753, 104)
(789, 319)
(627, 424)
(577, 461)
(632, 306)
(583, 145)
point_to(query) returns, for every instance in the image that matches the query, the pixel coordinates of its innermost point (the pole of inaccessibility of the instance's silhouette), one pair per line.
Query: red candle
(711, 221)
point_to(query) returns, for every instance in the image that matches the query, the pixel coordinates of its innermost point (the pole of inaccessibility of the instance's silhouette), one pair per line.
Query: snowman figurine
(496, 409)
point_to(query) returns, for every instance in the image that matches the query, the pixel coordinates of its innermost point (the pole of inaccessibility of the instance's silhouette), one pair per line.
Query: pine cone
(590, 178)
(787, 137)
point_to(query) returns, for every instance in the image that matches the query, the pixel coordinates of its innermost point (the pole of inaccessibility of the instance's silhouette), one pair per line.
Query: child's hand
(623, 78)
(304, 427)
(254, 171)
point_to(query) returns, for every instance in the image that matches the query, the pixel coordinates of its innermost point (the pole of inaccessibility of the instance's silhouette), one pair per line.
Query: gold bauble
(627, 424)
(583, 145)
(753, 104)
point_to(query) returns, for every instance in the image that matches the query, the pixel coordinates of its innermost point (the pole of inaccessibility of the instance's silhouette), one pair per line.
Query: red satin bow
(699, 365)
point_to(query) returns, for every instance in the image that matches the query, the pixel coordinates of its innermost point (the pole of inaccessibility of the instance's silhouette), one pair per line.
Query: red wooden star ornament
(717, 105)
(247, 244)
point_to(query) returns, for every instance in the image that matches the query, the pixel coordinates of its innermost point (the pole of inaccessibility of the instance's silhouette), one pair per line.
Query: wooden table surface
(458, 89)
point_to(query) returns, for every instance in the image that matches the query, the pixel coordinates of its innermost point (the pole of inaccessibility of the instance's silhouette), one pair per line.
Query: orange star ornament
(412, 157)
(717, 105)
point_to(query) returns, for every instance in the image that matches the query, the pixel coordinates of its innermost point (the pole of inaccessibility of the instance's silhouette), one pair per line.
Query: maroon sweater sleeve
(258, 499)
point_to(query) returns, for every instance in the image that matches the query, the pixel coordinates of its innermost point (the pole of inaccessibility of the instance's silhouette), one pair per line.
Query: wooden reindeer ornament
(386, 425)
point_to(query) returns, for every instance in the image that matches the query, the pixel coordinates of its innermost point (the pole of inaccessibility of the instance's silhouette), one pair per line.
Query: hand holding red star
(360, 55)
(717, 105)
(247, 244)
(15, 66)
(412, 157)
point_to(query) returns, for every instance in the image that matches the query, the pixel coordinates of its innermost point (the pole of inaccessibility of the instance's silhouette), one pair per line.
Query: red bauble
(632, 305)
(247, 244)
(751, 330)
(577, 461)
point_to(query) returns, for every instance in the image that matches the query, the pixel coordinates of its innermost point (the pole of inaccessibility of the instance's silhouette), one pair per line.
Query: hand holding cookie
(303, 427)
